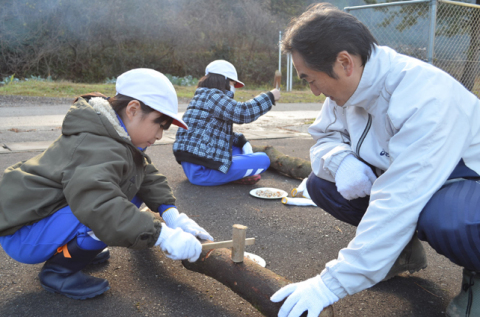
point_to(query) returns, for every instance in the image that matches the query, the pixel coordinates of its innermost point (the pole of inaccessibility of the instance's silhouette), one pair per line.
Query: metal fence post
(291, 72)
(280, 51)
(288, 73)
(431, 31)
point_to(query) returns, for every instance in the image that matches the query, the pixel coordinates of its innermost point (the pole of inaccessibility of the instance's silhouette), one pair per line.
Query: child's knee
(263, 160)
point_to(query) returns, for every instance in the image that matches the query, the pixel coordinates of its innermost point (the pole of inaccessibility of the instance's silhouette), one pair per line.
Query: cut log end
(293, 167)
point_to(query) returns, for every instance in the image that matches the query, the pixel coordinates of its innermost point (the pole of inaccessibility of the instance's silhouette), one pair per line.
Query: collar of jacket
(373, 79)
(103, 106)
(205, 89)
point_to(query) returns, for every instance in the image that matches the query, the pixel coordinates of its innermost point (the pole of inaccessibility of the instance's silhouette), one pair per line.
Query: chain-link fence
(407, 27)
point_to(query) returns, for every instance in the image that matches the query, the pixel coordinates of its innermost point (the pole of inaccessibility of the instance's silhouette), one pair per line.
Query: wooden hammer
(237, 243)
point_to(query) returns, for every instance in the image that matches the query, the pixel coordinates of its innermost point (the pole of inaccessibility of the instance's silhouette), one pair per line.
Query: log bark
(251, 281)
(289, 166)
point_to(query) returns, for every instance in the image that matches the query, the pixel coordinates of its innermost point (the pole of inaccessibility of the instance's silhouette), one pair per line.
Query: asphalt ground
(296, 242)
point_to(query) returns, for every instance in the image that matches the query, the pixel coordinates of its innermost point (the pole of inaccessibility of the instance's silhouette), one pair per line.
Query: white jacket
(411, 120)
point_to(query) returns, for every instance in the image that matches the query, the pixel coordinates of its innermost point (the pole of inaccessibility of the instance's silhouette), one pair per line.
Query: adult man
(397, 152)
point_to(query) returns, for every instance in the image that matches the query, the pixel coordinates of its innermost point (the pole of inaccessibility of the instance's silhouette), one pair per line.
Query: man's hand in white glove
(354, 178)
(178, 245)
(247, 148)
(311, 295)
(175, 220)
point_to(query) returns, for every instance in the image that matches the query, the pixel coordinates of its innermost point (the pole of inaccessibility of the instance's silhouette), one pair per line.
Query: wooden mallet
(277, 80)
(237, 243)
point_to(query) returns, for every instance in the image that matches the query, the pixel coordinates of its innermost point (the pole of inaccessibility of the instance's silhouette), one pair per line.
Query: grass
(60, 89)
(64, 89)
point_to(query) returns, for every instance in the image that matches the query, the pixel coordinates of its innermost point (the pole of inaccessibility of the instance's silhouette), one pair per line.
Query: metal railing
(440, 32)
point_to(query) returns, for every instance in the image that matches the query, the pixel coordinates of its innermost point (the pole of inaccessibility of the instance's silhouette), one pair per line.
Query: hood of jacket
(101, 118)
(96, 117)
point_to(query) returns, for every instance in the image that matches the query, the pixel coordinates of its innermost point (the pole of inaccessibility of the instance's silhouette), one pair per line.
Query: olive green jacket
(95, 169)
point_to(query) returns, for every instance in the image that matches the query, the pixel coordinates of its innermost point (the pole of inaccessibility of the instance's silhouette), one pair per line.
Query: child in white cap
(209, 151)
(65, 205)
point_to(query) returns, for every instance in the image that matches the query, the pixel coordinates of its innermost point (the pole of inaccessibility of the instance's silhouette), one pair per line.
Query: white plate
(255, 258)
(253, 192)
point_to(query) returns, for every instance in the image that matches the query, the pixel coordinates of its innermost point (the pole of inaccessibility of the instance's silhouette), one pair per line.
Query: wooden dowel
(238, 237)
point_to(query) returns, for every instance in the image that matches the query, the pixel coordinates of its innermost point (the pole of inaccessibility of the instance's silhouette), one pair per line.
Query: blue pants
(38, 242)
(243, 165)
(450, 222)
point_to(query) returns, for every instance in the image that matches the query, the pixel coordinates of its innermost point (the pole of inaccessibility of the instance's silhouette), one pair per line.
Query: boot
(62, 273)
(412, 259)
(467, 302)
(101, 257)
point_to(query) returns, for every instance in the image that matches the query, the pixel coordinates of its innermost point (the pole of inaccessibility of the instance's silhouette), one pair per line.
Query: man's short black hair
(322, 32)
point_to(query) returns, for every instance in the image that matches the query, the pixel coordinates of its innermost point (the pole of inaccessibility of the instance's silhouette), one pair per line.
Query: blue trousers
(243, 165)
(450, 222)
(38, 242)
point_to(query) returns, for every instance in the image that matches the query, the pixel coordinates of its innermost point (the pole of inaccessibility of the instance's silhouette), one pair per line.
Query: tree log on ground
(289, 166)
(251, 281)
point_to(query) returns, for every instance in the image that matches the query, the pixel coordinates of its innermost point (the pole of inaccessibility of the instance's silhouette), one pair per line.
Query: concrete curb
(42, 145)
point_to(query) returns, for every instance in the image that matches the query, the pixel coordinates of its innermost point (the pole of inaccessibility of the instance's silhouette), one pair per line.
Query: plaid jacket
(210, 117)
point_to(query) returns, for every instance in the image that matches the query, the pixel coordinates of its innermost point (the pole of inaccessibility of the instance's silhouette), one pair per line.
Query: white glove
(354, 178)
(175, 220)
(247, 148)
(298, 201)
(312, 295)
(178, 245)
(301, 189)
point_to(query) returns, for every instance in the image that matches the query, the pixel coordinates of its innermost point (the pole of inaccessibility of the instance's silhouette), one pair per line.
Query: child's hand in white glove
(178, 245)
(247, 148)
(354, 178)
(311, 295)
(175, 220)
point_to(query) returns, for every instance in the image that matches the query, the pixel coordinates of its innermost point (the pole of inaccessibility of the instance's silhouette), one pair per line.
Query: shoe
(249, 180)
(412, 259)
(467, 302)
(101, 257)
(62, 273)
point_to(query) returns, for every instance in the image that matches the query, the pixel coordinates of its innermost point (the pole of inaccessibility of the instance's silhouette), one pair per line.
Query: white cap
(153, 89)
(224, 68)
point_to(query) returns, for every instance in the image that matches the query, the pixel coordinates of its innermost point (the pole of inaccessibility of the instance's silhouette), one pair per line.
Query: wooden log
(289, 166)
(249, 280)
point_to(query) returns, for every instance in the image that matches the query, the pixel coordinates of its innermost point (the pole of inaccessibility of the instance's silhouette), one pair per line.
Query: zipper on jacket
(364, 135)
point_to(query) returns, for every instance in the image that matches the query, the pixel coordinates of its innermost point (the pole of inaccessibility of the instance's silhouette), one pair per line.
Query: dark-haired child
(209, 151)
(82, 194)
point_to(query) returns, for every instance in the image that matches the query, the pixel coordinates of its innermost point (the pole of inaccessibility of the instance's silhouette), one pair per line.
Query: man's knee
(321, 191)
(449, 225)
(327, 197)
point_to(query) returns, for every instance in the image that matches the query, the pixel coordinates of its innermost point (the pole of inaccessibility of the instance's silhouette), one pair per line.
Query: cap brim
(238, 84)
(180, 124)
(176, 119)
